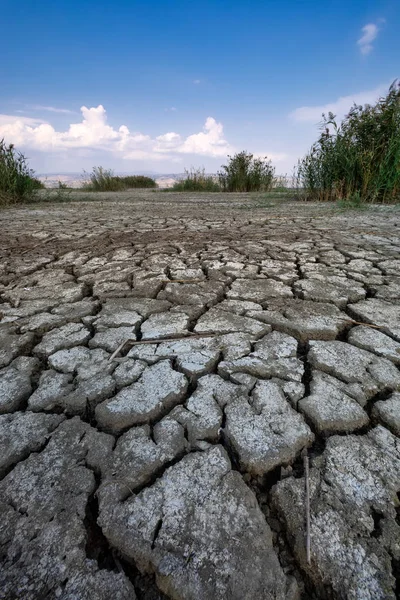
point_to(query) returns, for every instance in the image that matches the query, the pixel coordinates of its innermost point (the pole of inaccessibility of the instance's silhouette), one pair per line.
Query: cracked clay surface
(172, 468)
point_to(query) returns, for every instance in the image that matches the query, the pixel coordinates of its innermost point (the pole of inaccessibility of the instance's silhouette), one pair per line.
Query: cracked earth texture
(175, 470)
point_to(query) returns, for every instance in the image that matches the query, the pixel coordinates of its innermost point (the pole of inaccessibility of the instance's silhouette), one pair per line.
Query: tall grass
(196, 180)
(244, 173)
(17, 180)
(104, 180)
(358, 158)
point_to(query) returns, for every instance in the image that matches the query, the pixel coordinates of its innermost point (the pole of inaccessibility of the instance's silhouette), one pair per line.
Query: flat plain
(166, 362)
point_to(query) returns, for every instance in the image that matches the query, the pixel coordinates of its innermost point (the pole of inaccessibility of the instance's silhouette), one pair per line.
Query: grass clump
(244, 173)
(104, 180)
(17, 181)
(354, 202)
(196, 180)
(358, 160)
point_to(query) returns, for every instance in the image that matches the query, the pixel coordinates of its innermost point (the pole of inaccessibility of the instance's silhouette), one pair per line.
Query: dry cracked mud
(173, 469)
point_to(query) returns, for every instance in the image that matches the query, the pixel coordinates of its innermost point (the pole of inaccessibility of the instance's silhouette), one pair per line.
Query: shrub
(104, 180)
(17, 181)
(138, 181)
(196, 180)
(37, 184)
(244, 173)
(359, 158)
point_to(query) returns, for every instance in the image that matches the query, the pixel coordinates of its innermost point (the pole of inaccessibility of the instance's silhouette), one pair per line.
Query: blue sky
(159, 86)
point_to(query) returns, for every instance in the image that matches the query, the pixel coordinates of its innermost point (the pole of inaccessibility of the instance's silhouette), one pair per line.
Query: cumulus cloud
(370, 32)
(93, 132)
(339, 107)
(212, 137)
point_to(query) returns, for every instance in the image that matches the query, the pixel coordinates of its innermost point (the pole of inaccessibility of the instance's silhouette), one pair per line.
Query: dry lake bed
(257, 331)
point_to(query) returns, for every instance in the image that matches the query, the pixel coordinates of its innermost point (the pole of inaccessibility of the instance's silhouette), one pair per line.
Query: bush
(37, 184)
(360, 158)
(104, 180)
(244, 173)
(196, 180)
(17, 181)
(138, 181)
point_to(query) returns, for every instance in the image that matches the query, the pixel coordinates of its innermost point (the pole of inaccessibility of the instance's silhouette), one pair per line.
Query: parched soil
(169, 365)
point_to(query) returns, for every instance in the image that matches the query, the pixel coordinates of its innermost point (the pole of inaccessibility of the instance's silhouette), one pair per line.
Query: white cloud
(339, 107)
(196, 81)
(52, 109)
(370, 32)
(171, 109)
(9, 120)
(94, 133)
(209, 142)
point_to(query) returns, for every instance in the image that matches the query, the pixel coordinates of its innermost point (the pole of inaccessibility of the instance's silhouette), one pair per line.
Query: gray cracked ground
(175, 470)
